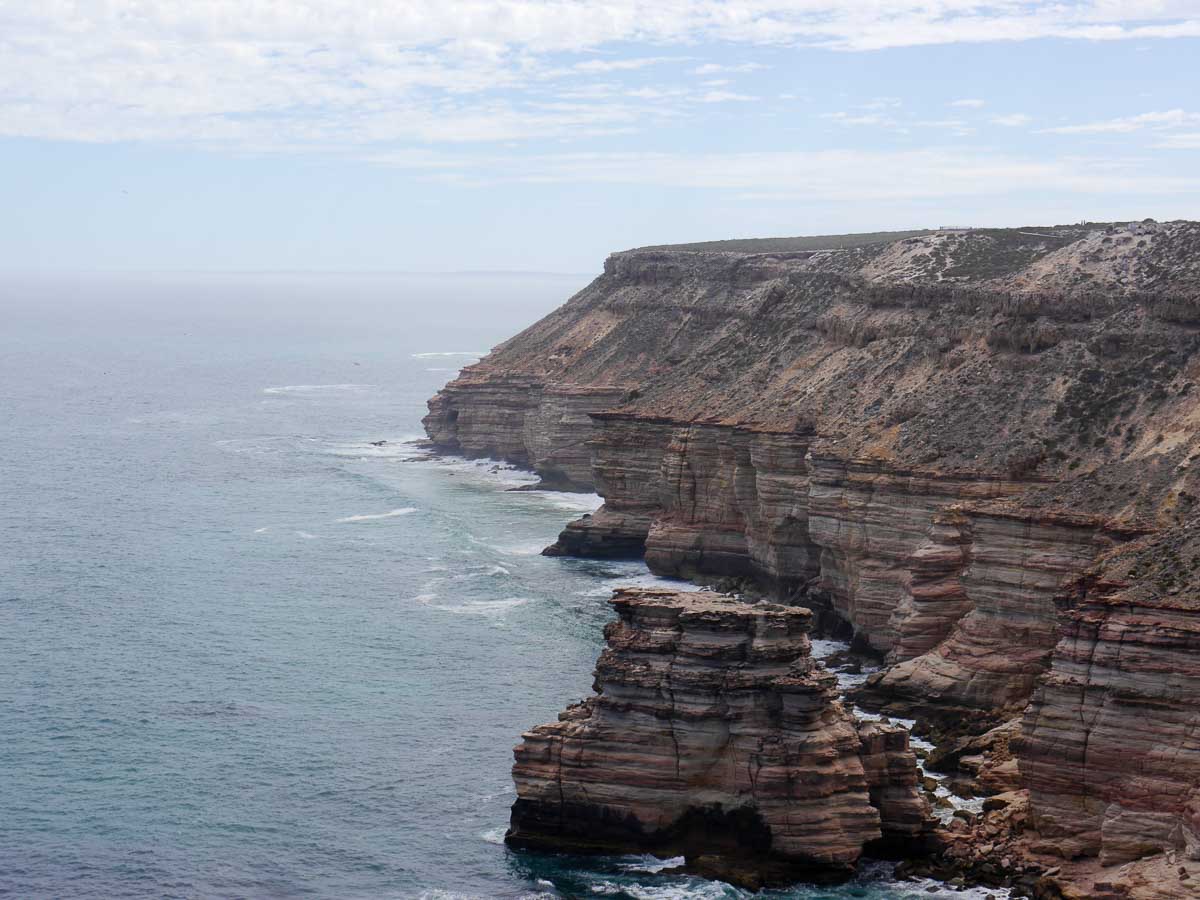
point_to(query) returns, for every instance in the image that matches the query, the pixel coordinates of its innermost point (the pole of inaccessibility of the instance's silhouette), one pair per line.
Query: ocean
(247, 651)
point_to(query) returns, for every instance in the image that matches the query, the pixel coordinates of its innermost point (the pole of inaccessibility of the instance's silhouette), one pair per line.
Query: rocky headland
(971, 452)
(713, 734)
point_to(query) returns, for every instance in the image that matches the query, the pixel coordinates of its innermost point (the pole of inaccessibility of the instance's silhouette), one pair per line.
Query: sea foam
(367, 517)
(652, 864)
(403, 448)
(494, 835)
(485, 607)
(572, 502)
(314, 388)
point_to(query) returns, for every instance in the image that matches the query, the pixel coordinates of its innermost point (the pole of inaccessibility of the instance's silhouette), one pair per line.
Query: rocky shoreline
(970, 453)
(715, 736)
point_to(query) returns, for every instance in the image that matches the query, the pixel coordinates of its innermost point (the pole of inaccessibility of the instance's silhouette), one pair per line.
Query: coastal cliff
(713, 734)
(963, 449)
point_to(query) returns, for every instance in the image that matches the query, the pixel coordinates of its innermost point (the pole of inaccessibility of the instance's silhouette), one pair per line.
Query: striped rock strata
(1112, 737)
(930, 439)
(812, 420)
(1014, 564)
(626, 462)
(522, 420)
(715, 735)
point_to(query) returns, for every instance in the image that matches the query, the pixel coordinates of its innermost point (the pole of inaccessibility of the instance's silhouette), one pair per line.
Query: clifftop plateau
(974, 451)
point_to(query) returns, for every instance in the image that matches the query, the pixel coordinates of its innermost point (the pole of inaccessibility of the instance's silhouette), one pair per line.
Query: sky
(540, 135)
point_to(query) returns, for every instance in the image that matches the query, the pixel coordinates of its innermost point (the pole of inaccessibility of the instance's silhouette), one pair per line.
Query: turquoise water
(245, 653)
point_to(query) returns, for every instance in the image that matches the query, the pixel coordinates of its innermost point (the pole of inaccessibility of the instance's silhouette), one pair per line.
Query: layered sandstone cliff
(932, 442)
(1112, 739)
(714, 734)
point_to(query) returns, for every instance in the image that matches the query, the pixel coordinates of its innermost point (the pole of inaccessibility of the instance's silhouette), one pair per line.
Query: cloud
(841, 175)
(357, 75)
(1012, 120)
(659, 93)
(957, 127)
(1171, 118)
(874, 115)
(620, 65)
(719, 69)
(855, 119)
(951, 21)
(1186, 141)
(725, 97)
(969, 103)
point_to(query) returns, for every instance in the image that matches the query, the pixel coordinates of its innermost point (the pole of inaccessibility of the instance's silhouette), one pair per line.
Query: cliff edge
(973, 451)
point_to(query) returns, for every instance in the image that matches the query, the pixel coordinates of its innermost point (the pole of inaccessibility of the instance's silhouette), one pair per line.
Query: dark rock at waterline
(714, 735)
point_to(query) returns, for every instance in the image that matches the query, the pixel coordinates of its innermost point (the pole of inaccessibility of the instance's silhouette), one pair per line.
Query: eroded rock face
(713, 733)
(858, 540)
(932, 440)
(734, 501)
(626, 463)
(707, 493)
(521, 419)
(1016, 564)
(874, 523)
(1112, 737)
(893, 553)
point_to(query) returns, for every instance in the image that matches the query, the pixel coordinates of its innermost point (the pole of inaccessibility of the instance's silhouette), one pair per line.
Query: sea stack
(713, 734)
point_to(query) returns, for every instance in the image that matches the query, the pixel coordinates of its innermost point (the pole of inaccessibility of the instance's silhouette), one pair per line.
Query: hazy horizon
(523, 135)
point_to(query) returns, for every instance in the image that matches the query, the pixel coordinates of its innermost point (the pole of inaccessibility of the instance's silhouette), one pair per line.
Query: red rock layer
(725, 500)
(710, 713)
(626, 460)
(520, 419)
(872, 522)
(1112, 738)
(1015, 566)
(931, 437)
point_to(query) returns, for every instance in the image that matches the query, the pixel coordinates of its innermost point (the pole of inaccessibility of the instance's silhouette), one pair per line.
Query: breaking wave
(404, 448)
(485, 607)
(367, 517)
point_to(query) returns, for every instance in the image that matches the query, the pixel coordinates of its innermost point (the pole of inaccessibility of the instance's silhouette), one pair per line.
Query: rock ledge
(714, 735)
